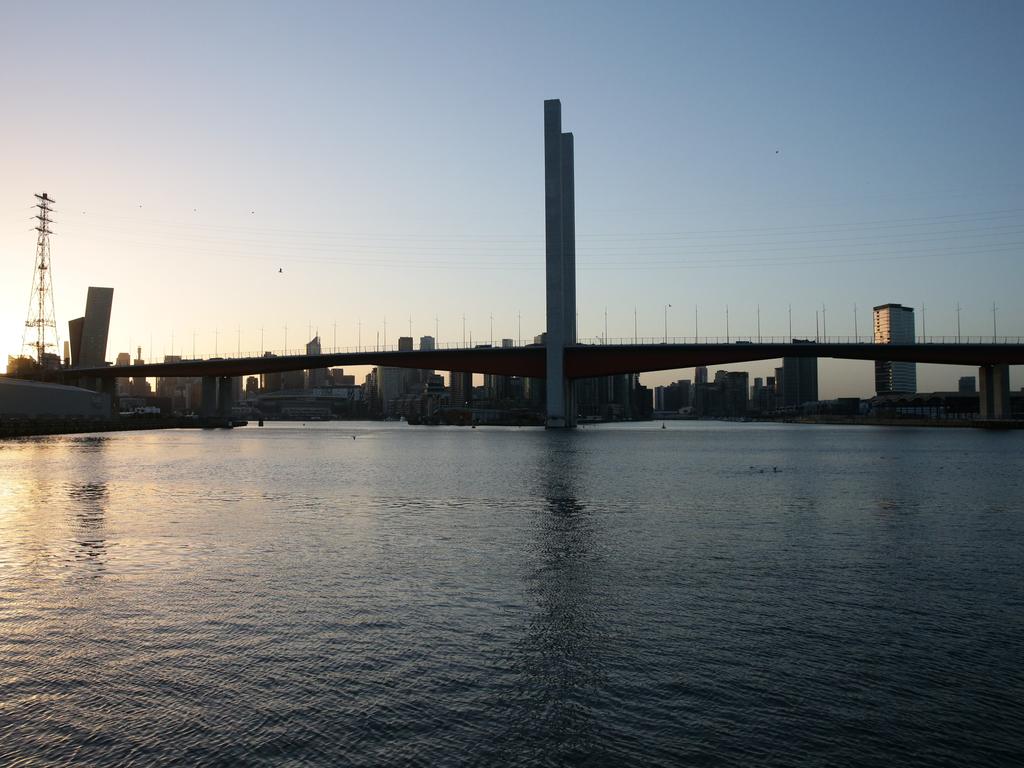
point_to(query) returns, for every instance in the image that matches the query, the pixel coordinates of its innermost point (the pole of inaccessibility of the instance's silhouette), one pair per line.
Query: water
(707, 594)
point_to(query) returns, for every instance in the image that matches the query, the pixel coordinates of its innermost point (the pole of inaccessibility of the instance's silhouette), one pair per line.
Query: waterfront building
(184, 393)
(36, 399)
(338, 378)
(460, 385)
(674, 397)
(89, 333)
(371, 391)
(498, 387)
(315, 377)
(271, 382)
(293, 380)
(121, 385)
(967, 385)
(735, 387)
(535, 392)
(760, 395)
(414, 380)
(75, 327)
(894, 324)
(391, 384)
(139, 385)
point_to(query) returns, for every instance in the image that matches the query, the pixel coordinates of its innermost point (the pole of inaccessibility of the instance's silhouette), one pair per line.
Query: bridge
(564, 358)
(581, 361)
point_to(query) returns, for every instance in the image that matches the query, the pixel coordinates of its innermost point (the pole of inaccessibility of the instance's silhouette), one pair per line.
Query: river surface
(705, 594)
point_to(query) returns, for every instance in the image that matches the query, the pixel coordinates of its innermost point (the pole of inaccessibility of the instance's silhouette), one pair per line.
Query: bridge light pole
(993, 322)
(666, 322)
(958, 322)
(758, 323)
(726, 323)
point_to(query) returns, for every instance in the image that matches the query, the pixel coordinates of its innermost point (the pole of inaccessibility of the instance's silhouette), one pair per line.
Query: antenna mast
(40, 306)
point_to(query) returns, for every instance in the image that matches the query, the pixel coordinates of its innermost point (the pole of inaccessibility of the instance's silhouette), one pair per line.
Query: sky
(234, 170)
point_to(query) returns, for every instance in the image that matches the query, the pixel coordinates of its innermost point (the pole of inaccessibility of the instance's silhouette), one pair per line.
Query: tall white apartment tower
(894, 324)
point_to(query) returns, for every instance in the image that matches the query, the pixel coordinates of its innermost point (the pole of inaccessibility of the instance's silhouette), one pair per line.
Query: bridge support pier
(994, 391)
(208, 407)
(225, 396)
(560, 264)
(108, 387)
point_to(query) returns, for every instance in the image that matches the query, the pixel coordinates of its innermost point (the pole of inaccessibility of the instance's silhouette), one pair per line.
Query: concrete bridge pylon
(560, 264)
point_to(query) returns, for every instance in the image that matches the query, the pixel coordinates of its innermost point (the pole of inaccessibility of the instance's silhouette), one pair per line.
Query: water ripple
(515, 598)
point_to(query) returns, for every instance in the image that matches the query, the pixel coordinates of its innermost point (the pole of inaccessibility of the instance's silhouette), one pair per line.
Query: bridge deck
(581, 361)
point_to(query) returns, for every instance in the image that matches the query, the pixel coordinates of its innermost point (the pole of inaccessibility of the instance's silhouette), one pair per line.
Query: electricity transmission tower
(41, 315)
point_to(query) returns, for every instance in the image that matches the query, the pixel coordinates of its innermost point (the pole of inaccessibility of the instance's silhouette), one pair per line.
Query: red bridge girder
(580, 361)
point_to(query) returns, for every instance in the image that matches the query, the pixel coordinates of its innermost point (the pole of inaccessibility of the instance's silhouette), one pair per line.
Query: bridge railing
(442, 346)
(636, 340)
(597, 341)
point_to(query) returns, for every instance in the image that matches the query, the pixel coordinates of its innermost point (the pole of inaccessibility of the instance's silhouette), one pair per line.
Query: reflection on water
(88, 502)
(619, 595)
(561, 650)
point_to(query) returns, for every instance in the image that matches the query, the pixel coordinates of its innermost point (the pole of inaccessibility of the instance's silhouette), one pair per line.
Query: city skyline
(207, 216)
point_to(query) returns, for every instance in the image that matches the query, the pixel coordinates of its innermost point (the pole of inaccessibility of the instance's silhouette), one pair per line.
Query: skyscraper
(315, 377)
(461, 387)
(894, 324)
(89, 333)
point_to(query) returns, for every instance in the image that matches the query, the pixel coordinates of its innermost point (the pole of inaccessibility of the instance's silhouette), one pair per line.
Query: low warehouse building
(20, 399)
